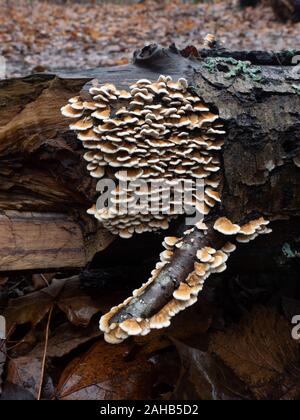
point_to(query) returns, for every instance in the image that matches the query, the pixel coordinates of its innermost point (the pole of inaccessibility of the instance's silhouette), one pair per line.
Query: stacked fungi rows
(208, 261)
(159, 134)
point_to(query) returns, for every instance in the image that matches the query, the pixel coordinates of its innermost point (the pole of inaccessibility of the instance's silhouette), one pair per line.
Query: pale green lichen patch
(288, 252)
(297, 89)
(233, 68)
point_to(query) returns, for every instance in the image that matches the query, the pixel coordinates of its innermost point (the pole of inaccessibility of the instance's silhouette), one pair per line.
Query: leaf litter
(40, 35)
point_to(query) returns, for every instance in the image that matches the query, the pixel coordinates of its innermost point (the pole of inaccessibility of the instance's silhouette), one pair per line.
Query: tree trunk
(42, 170)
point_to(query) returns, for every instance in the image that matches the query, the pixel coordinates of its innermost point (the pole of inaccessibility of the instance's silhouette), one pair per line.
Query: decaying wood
(259, 156)
(42, 169)
(43, 241)
(160, 292)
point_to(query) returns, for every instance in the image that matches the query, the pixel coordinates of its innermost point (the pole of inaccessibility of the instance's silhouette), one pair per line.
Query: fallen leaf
(39, 281)
(31, 309)
(3, 280)
(66, 294)
(261, 352)
(190, 51)
(13, 392)
(67, 338)
(151, 353)
(204, 377)
(25, 371)
(76, 304)
(106, 372)
(124, 371)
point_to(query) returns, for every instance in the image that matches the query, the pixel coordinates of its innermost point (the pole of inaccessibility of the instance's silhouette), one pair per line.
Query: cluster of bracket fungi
(208, 261)
(157, 132)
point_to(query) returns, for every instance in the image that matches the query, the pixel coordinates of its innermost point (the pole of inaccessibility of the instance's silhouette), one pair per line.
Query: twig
(45, 280)
(158, 293)
(45, 353)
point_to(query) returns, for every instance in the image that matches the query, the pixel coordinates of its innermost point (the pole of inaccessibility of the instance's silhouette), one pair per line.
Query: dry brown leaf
(25, 371)
(205, 377)
(39, 281)
(3, 280)
(262, 353)
(13, 392)
(76, 304)
(106, 372)
(67, 338)
(66, 294)
(123, 371)
(27, 309)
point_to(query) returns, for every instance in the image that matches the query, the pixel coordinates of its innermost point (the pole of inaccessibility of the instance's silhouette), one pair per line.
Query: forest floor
(43, 35)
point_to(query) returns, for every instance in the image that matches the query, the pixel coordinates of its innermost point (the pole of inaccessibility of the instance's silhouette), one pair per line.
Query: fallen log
(41, 160)
(42, 241)
(42, 167)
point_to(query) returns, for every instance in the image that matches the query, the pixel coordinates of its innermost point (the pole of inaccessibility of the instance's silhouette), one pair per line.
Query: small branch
(179, 277)
(45, 353)
(160, 292)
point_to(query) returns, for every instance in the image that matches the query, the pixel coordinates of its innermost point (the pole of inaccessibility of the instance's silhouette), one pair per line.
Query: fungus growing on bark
(225, 226)
(162, 134)
(131, 327)
(229, 247)
(135, 134)
(205, 254)
(184, 295)
(209, 41)
(252, 229)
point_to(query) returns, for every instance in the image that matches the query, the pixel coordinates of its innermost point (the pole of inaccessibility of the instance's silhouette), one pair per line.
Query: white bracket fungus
(158, 131)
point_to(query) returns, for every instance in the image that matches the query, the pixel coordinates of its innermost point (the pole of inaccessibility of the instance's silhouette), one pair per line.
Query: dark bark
(41, 161)
(286, 9)
(248, 3)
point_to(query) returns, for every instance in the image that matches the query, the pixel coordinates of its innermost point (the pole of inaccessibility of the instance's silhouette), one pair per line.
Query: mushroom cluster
(208, 261)
(245, 233)
(157, 133)
(157, 137)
